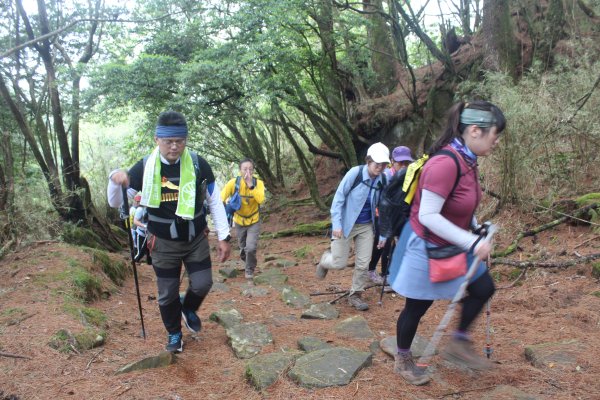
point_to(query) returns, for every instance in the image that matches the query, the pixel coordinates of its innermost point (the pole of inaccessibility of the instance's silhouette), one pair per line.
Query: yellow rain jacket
(248, 213)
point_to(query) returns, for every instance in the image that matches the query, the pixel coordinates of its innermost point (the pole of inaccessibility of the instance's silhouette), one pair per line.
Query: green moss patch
(66, 342)
(116, 270)
(87, 315)
(79, 236)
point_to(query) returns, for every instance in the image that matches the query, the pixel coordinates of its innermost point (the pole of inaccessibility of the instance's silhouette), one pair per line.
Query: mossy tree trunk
(500, 47)
(383, 61)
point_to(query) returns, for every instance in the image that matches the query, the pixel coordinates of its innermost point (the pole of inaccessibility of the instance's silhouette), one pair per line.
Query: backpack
(396, 198)
(358, 180)
(235, 200)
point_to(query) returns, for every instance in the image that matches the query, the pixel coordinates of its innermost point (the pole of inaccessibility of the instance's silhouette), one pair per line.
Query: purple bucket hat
(402, 153)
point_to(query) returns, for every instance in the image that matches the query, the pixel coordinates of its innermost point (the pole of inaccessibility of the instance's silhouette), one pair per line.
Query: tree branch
(532, 232)
(546, 264)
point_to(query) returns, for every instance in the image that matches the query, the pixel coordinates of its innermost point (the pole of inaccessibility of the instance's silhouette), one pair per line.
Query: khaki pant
(363, 237)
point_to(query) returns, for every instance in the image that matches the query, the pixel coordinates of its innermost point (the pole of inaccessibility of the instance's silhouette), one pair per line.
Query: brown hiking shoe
(405, 366)
(355, 301)
(462, 352)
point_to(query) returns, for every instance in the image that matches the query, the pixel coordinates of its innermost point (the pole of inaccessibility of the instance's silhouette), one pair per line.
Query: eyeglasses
(380, 165)
(173, 142)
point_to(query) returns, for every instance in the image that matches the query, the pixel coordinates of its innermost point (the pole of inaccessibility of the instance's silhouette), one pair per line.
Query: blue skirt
(409, 270)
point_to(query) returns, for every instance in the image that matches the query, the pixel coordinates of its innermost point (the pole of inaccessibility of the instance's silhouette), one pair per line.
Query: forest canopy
(287, 83)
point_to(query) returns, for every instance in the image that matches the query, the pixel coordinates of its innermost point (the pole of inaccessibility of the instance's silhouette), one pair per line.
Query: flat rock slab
(280, 263)
(227, 318)
(321, 311)
(255, 291)
(506, 392)
(292, 297)
(264, 370)
(311, 343)
(229, 272)
(164, 359)
(555, 354)
(272, 277)
(248, 339)
(329, 367)
(283, 320)
(219, 287)
(354, 327)
(389, 346)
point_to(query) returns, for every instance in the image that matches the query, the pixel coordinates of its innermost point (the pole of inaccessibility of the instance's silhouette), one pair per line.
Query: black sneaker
(175, 344)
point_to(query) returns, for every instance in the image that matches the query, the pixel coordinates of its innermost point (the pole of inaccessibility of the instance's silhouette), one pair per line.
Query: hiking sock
(403, 352)
(461, 335)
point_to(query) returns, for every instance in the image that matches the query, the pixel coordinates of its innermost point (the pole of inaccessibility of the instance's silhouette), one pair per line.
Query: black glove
(482, 230)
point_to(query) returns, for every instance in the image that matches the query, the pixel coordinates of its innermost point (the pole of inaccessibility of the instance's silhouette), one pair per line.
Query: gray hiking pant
(167, 259)
(248, 242)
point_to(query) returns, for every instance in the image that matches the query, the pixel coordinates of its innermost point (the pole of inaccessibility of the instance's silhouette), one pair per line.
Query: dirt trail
(543, 306)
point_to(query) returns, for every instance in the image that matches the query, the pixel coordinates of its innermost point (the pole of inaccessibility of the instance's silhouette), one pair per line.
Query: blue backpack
(235, 201)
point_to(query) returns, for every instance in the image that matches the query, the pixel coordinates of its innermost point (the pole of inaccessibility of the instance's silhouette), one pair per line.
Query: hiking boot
(190, 318)
(249, 275)
(375, 277)
(175, 343)
(243, 254)
(323, 266)
(461, 351)
(405, 366)
(355, 301)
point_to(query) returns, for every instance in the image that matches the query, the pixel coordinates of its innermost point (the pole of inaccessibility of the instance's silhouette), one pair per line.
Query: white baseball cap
(379, 153)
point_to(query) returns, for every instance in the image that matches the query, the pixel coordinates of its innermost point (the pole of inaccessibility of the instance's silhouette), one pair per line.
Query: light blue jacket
(346, 205)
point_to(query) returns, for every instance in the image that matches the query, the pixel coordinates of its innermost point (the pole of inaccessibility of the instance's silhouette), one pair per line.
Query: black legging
(479, 292)
(383, 253)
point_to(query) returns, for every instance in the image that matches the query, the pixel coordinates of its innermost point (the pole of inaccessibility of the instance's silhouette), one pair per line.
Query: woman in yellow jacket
(247, 218)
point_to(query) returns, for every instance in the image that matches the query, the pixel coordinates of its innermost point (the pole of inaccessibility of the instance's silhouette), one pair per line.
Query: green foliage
(588, 199)
(596, 270)
(84, 285)
(87, 315)
(549, 141)
(496, 276)
(303, 251)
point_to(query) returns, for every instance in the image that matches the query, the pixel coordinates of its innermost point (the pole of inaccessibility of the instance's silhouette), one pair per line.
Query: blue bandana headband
(472, 116)
(163, 131)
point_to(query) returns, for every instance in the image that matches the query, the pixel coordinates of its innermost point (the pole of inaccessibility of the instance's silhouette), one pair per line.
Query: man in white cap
(352, 219)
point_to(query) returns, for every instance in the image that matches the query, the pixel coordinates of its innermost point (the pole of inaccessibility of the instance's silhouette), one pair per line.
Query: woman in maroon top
(442, 213)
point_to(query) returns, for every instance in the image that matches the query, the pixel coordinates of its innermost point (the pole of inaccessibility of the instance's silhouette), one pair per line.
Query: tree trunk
(382, 51)
(500, 47)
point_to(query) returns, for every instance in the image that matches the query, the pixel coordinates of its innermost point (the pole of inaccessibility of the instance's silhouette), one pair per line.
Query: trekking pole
(437, 335)
(127, 224)
(380, 302)
(488, 350)
(392, 248)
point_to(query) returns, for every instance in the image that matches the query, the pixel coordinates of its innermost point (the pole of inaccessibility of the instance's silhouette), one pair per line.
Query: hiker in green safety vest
(246, 218)
(175, 183)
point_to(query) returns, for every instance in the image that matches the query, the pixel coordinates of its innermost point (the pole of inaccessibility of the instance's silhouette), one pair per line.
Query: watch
(227, 238)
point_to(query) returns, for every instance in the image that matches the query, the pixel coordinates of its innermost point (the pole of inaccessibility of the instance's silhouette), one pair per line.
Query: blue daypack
(235, 201)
